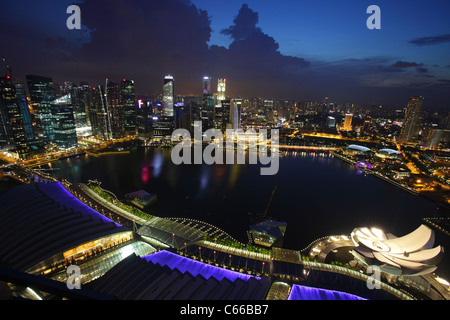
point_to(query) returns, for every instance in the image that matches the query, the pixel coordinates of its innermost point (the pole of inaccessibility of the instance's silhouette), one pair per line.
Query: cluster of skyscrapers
(57, 118)
(213, 110)
(52, 117)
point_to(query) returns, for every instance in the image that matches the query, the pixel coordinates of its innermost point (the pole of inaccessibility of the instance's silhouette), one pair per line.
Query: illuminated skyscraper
(64, 127)
(12, 131)
(168, 96)
(235, 113)
(25, 111)
(348, 122)
(115, 109)
(127, 98)
(206, 85)
(331, 122)
(42, 93)
(411, 124)
(221, 88)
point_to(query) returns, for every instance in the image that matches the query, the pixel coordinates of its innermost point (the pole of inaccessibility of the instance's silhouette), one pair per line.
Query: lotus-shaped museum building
(412, 254)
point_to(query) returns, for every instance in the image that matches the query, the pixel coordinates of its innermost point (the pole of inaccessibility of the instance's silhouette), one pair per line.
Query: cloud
(253, 59)
(429, 41)
(244, 24)
(145, 40)
(422, 70)
(404, 64)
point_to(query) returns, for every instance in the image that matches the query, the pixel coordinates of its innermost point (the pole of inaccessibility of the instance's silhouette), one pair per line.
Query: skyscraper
(80, 106)
(42, 93)
(235, 113)
(331, 122)
(12, 131)
(348, 122)
(221, 88)
(115, 109)
(168, 96)
(411, 124)
(129, 106)
(206, 85)
(64, 128)
(25, 111)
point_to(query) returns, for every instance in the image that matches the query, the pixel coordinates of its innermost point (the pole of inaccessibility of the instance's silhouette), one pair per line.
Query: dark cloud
(422, 70)
(429, 41)
(404, 64)
(253, 60)
(244, 24)
(145, 40)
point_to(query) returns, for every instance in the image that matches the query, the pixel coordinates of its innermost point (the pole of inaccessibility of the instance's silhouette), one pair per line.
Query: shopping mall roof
(389, 151)
(38, 221)
(358, 147)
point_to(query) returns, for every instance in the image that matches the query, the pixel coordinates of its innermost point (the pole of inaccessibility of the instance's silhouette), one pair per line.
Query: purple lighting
(363, 164)
(194, 267)
(57, 191)
(308, 293)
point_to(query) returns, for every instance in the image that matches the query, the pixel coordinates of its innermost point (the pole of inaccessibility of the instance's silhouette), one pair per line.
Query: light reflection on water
(317, 195)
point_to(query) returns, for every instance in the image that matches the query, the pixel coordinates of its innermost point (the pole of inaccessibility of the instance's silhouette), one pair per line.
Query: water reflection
(158, 161)
(317, 195)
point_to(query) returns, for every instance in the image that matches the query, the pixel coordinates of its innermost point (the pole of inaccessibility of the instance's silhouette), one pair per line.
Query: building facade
(411, 125)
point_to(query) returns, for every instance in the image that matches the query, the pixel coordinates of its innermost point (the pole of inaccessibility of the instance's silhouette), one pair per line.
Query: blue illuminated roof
(299, 292)
(183, 264)
(58, 192)
(41, 220)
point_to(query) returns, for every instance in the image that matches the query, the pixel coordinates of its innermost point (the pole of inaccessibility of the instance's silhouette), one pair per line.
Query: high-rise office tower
(12, 131)
(80, 106)
(115, 110)
(411, 124)
(348, 122)
(221, 89)
(64, 128)
(168, 96)
(235, 113)
(42, 93)
(331, 122)
(25, 111)
(144, 119)
(206, 85)
(226, 122)
(127, 97)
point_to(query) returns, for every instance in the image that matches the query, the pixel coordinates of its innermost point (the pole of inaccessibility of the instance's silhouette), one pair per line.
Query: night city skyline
(213, 153)
(284, 50)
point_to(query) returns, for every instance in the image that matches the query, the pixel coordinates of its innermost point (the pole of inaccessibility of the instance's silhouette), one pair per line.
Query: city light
(172, 160)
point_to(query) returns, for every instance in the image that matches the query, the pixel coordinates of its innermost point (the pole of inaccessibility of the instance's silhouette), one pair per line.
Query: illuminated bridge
(44, 229)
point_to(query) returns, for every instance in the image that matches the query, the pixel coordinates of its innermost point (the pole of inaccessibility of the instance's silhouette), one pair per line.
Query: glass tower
(168, 90)
(11, 123)
(64, 122)
(206, 85)
(42, 93)
(25, 111)
(129, 106)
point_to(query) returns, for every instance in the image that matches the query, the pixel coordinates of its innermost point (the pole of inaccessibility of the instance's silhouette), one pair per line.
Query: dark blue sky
(291, 49)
